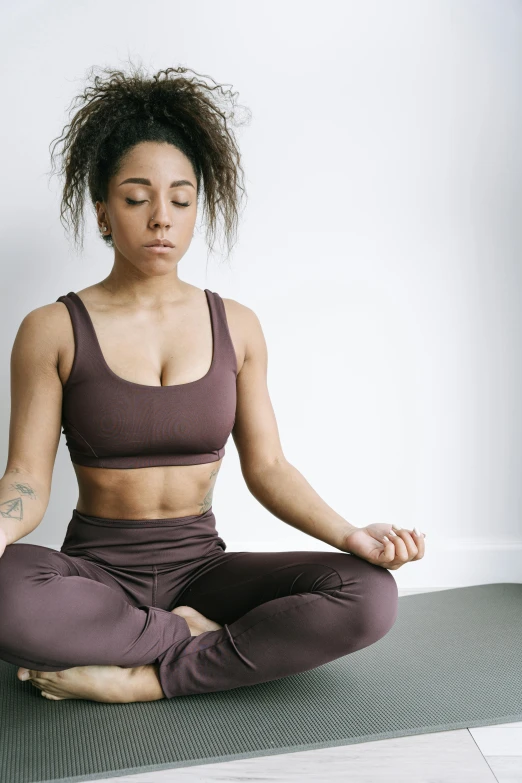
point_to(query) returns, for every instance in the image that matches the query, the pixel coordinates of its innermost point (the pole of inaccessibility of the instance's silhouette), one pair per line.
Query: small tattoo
(25, 489)
(12, 508)
(207, 500)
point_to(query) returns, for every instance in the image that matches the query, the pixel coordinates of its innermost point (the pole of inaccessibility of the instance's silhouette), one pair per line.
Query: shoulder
(49, 318)
(241, 314)
(42, 330)
(244, 322)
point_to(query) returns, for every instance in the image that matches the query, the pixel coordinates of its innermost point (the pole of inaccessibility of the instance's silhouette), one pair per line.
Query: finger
(410, 542)
(419, 540)
(389, 553)
(401, 546)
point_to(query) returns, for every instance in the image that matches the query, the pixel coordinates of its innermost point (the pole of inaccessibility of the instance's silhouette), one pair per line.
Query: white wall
(379, 247)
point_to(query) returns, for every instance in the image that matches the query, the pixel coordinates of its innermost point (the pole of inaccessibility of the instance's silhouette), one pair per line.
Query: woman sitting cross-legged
(148, 376)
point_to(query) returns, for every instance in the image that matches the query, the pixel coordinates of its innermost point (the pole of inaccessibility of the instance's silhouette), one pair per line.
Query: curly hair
(124, 110)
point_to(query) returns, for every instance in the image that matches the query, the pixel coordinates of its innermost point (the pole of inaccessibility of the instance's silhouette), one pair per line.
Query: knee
(17, 561)
(22, 567)
(374, 591)
(12, 565)
(14, 568)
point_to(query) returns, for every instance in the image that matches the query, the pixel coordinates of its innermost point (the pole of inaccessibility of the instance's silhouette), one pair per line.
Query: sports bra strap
(86, 347)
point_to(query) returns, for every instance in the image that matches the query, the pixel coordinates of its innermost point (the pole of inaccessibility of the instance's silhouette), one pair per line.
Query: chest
(153, 352)
(180, 411)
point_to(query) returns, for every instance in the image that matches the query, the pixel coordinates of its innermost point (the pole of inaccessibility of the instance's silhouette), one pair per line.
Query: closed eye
(178, 204)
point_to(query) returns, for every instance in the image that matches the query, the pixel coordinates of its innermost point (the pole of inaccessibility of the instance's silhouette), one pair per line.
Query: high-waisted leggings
(106, 598)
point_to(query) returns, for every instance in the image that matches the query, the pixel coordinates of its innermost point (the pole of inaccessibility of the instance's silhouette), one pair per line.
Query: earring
(104, 227)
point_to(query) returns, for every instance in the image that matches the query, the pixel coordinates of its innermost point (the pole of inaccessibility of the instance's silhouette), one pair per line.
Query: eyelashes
(177, 203)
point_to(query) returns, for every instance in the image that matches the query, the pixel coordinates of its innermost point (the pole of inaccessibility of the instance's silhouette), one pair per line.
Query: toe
(51, 696)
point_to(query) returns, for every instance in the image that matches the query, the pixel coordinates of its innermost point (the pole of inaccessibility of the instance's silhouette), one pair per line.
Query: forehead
(153, 153)
(155, 163)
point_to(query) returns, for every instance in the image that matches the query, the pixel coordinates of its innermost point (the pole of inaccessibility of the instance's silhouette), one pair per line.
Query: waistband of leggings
(161, 522)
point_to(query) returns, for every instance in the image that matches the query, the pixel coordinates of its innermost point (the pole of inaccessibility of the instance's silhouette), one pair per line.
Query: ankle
(145, 684)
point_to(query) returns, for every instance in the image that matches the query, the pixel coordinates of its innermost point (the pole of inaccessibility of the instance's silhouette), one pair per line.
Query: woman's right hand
(3, 541)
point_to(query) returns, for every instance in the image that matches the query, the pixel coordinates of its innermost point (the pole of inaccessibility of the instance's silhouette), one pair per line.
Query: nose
(161, 217)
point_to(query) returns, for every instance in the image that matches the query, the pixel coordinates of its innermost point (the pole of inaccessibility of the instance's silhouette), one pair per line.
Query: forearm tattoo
(207, 500)
(13, 508)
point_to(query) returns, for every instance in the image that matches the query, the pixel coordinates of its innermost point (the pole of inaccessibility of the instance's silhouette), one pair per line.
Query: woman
(148, 376)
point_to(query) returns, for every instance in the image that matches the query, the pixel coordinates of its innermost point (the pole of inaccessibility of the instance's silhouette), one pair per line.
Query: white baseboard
(445, 565)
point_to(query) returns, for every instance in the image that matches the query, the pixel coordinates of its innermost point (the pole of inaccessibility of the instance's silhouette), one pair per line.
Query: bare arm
(271, 479)
(34, 430)
(23, 501)
(284, 491)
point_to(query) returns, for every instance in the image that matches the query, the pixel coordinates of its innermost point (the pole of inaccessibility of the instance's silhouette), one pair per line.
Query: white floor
(481, 755)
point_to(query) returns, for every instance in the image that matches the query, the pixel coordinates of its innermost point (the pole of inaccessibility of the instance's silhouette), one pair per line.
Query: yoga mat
(452, 660)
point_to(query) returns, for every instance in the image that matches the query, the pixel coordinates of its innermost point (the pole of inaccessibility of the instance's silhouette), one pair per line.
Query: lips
(160, 243)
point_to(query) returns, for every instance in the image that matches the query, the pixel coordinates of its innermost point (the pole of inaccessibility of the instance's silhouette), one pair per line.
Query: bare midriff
(146, 493)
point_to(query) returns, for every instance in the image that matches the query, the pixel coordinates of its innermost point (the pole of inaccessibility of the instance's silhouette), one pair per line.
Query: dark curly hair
(126, 109)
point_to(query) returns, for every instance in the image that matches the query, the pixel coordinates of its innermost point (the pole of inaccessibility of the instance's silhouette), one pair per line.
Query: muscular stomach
(146, 493)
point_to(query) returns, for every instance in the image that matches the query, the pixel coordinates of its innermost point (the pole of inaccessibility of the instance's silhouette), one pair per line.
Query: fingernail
(392, 533)
(386, 538)
(416, 531)
(24, 676)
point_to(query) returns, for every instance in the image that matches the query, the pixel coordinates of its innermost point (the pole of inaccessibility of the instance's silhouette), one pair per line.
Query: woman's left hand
(369, 544)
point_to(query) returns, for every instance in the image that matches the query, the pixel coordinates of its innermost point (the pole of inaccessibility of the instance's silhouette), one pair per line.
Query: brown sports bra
(109, 422)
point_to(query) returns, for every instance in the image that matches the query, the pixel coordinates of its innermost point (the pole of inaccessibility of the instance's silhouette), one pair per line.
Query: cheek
(187, 226)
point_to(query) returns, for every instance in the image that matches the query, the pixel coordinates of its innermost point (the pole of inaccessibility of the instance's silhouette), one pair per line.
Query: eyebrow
(142, 181)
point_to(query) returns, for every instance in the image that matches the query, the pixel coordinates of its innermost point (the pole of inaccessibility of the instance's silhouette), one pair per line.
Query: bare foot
(196, 621)
(97, 683)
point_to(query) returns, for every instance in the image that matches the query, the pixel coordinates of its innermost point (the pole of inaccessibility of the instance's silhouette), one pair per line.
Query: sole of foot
(196, 621)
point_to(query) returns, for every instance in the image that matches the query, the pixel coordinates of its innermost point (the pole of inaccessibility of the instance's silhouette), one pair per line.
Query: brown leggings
(106, 598)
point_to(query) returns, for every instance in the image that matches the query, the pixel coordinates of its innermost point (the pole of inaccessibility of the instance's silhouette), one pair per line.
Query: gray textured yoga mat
(451, 661)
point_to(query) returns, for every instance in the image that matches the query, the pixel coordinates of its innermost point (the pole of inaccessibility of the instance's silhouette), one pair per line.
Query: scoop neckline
(144, 385)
